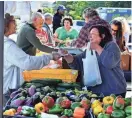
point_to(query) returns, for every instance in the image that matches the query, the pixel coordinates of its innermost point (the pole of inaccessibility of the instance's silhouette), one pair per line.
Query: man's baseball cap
(61, 7)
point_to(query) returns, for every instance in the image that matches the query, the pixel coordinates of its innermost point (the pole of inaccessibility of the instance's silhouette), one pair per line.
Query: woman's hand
(68, 57)
(96, 47)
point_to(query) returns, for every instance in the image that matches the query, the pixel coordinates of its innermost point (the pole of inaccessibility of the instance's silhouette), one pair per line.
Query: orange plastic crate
(66, 75)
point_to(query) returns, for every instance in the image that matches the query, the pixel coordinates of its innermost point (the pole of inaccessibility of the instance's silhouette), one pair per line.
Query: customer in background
(125, 28)
(91, 17)
(108, 56)
(27, 39)
(117, 33)
(58, 17)
(48, 22)
(66, 32)
(16, 60)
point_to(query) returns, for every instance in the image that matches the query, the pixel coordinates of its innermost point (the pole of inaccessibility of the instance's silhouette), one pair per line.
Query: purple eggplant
(16, 97)
(32, 90)
(18, 102)
(36, 98)
(29, 101)
(13, 94)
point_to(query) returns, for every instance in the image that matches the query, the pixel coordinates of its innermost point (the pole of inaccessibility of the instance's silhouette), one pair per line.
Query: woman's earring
(103, 36)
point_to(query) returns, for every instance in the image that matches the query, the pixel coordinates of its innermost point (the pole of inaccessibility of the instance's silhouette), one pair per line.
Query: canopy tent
(21, 9)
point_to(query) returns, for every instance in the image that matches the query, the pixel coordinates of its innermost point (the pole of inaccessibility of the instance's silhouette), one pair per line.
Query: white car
(78, 24)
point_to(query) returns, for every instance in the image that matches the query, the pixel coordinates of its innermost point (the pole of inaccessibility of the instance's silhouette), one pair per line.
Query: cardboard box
(125, 61)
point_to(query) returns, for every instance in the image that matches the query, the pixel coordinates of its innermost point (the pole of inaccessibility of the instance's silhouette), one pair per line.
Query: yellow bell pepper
(108, 100)
(10, 112)
(39, 108)
(98, 110)
(95, 104)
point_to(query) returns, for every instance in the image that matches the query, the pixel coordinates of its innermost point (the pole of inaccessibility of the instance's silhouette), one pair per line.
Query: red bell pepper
(48, 101)
(85, 103)
(109, 110)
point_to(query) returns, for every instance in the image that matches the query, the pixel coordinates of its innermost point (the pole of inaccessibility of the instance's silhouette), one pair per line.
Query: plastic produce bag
(91, 69)
(44, 115)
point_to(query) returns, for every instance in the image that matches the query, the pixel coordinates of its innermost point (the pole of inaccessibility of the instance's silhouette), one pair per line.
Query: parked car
(78, 24)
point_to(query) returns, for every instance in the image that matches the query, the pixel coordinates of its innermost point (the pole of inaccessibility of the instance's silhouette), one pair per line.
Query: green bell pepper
(56, 109)
(25, 113)
(119, 103)
(28, 111)
(127, 101)
(103, 115)
(118, 114)
(128, 110)
(129, 116)
(68, 112)
(75, 104)
(38, 116)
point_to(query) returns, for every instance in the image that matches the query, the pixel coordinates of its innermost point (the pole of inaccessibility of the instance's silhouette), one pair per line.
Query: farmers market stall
(44, 96)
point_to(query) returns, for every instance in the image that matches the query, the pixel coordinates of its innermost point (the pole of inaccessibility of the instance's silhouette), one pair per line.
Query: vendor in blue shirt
(108, 56)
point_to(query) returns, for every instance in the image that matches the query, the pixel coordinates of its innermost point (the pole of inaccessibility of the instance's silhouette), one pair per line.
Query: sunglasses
(114, 30)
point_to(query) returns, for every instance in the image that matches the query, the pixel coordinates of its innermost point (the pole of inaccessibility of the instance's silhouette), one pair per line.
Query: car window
(80, 23)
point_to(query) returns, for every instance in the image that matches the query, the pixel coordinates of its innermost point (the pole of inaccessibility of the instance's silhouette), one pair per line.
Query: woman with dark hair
(65, 34)
(16, 60)
(108, 56)
(117, 33)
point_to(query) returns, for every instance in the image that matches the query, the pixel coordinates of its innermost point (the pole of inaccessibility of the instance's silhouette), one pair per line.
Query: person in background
(58, 17)
(40, 11)
(91, 17)
(125, 28)
(27, 39)
(108, 56)
(48, 21)
(66, 32)
(16, 60)
(117, 33)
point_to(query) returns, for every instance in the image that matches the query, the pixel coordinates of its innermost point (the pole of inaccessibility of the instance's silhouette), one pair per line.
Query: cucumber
(48, 82)
(61, 89)
(38, 85)
(69, 85)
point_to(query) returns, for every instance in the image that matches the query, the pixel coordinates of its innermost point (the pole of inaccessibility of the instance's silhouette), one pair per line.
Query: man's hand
(62, 52)
(56, 56)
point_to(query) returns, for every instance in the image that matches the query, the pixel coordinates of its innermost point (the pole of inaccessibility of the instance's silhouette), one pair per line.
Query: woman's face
(114, 29)
(94, 36)
(12, 27)
(67, 24)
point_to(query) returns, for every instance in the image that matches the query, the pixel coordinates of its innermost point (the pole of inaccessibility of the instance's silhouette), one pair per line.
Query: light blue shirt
(16, 61)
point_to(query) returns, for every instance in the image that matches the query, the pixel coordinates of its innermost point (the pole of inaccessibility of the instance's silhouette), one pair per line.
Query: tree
(48, 10)
(75, 8)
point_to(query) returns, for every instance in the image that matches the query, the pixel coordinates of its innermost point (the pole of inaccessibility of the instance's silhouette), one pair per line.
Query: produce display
(112, 107)
(66, 100)
(66, 43)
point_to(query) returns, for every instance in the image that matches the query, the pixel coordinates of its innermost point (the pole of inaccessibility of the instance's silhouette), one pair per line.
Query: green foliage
(75, 8)
(48, 10)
